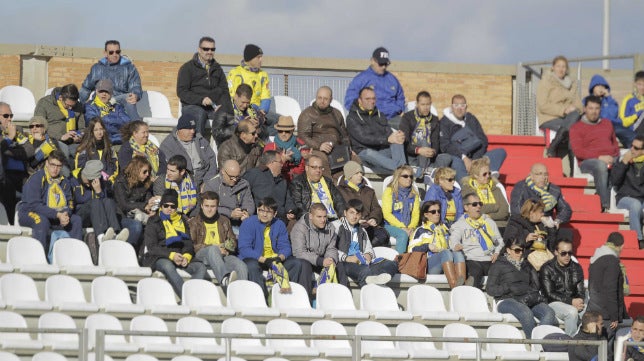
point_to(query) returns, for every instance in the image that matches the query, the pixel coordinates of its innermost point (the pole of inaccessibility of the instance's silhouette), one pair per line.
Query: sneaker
(123, 235)
(225, 281)
(469, 281)
(109, 234)
(380, 279)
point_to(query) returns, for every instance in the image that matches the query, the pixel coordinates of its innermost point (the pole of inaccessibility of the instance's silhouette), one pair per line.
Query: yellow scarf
(175, 229)
(484, 236)
(44, 149)
(104, 108)
(187, 193)
(328, 275)
(484, 191)
(353, 186)
(320, 194)
(437, 236)
(268, 245)
(151, 152)
(69, 115)
(639, 159)
(19, 138)
(55, 196)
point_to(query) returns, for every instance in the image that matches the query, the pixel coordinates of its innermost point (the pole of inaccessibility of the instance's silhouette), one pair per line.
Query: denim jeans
(635, 208)
(360, 272)
(526, 315)
(136, 230)
(402, 238)
(222, 265)
(568, 314)
(196, 269)
(497, 157)
(435, 261)
(599, 170)
(130, 109)
(384, 161)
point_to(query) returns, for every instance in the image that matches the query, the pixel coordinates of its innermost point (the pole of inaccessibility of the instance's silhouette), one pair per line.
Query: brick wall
(10, 73)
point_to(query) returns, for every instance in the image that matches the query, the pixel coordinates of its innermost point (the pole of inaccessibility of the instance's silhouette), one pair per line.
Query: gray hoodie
(312, 244)
(463, 233)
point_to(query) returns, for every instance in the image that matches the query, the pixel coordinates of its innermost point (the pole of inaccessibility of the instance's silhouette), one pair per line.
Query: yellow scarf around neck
(484, 191)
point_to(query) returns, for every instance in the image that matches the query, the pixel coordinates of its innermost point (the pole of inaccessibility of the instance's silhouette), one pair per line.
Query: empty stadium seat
(336, 301)
(244, 346)
(154, 108)
(185, 358)
(295, 304)
(330, 348)
(285, 105)
(22, 101)
(427, 302)
(140, 357)
(8, 356)
(381, 302)
(119, 259)
(288, 347)
(27, 255)
(203, 298)
(65, 293)
(157, 296)
(471, 305)
(113, 343)
(420, 349)
(541, 331)
(247, 298)
(463, 350)
(48, 356)
(72, 257)
(19, 292)
(509, 351)
(152, 344)
(378, 349)
(58, 341)
(16, 340)
(112, 295)
(198, 345)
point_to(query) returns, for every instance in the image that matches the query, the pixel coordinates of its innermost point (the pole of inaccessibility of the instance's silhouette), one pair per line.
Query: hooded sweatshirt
(610, 108)
(605, 284)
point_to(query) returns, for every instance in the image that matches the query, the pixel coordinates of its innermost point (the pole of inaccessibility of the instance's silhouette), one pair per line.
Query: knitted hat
(186, 121)
(285, 122)
(38, 120)
(352, 168)
(92, 169)
(169, 196)
(105, 85)
(251, 51)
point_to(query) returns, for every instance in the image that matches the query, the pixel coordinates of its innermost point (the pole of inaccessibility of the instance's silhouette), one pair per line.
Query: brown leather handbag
(413, 264)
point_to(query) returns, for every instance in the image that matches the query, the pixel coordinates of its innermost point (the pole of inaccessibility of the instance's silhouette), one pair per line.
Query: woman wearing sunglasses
(432, 237)
(444, 191)
(291, 148)
(481, 182)
(514, 284)
(401, 207)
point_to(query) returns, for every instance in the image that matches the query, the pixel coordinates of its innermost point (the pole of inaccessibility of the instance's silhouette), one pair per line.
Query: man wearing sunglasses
(627, 176)
(123, 74)
(562, 282)
(201, 85)
(243, 147)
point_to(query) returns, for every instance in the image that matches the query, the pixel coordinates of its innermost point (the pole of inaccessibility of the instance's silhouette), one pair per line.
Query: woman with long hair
(401, 206)
(449, 196)
(528, 225)
(95, 145)
(136, 141)
(481, 182)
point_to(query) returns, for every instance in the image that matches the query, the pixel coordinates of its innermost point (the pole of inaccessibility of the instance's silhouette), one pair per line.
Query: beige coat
(553, 98)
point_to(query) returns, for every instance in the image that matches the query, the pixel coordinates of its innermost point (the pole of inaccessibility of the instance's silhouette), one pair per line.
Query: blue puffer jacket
(123, 75)
(610, 108)
(251, 238)
(390, 98)
(436, 193)
(113, 121)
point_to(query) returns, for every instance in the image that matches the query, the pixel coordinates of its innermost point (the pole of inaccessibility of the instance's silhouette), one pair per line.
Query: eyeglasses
(448, 179)
(433, 211)
(565, 253)
(7, 115)
(232, 177)
(316, 167)
(55, 165)
(407, 176)
(208, 49)
(169, 205)
(31, 126)
(461, 106)
(285, 131)
(264, 211)
(111, 52)
(632, 145)
(517, 250)
(474, 204)
(485, 174)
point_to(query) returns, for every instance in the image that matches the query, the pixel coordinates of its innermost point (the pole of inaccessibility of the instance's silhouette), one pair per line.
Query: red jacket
(290, 169)
(592, 140)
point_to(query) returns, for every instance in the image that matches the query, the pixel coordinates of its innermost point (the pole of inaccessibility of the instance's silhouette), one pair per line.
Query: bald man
(235, 198)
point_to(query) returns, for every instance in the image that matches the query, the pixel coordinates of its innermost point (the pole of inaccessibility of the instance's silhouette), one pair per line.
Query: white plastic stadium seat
(185, 358)
(541, 331)
(65, 293)
(154, 107)
(247, 298)
(418, 350)
(463, 350)
(16, 340)
(119, 259)
(113, 343)
(19, 292)
(378, 349)
(245, 346)
(509, 351)
(140, 357)
(8, 356)
(27, 255)
(153, 343)
(72, 256)
(336, 301)
(157, 296)
(427, 302)
(471, 304)
(295, 304)
(381, 302)
(21, 99)
(112, 295)
(330, 348)
(48, 356)
(203, 297)
(58, 341)
(288, 347)
(198, 345)
(285, 105)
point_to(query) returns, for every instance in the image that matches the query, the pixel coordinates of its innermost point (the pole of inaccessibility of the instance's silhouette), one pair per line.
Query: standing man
(628, 178)
(593, 141)
(123, 74)
(562, 283)
(201, 85)
(390, 96)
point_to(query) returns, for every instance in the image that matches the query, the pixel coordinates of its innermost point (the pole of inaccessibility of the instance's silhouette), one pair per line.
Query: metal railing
(82, 334)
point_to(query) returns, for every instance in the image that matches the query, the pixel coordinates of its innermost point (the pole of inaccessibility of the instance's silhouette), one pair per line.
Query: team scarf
(69, 115)
(277, 274)
(638, 348)
(104, 108)
(19, 138)
(484, 191)
(239, 115)
(44, 149)
(407, 198)
(55, 196)
(355, 187)
(290, 144)
(187, 193)
(328, 275)
(480, 226)
(322, 194)
(435, 234)
(420, 135)
(625, 285)
(175, 229)
(639, 159)
(548, 199)
(151, 152)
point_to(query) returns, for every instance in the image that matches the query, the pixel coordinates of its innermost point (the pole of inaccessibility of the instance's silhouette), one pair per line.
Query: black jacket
(367, 131)
(522, 192)
(155, 247)
(263, 184)
(506, 281)
(128, 198)
(562, 283)
(301, 192)
(628, 180)
(195, 83)
(408, 124)
(448, 128)
(605, 286)
(583, 352)
(519, 228)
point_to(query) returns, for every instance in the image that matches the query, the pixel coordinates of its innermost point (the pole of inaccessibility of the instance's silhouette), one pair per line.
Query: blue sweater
(390, 98)
(251, 238)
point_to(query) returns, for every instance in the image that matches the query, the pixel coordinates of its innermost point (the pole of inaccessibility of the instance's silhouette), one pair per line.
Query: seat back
(286, 105)
(243, 293)
(9, 319)
(241, 326)
(103, 321)
(149, 323)
(505, 331)
(373, 328)
(23, 251)
(281, 326)
(21, 99)
(16, 287)
(541, 331)
(468, 299)
(413, 329)
(424, 298)
(194, 324)
(329, 327)
(334, 296)
(154, 104)
(72, 252)
(197, 293)
(63, 288)
(154, 291)
(459, 330)
(385, 252)
(140, 357)
(8, 356)
(110, 290)
(378, 298)
(57, 320)
(297, 299)
(114, 253)
(48, 356)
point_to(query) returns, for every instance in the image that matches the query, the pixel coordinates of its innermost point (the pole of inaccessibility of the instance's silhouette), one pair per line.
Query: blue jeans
(599, 170)
(222, 265)
(384, 161)
(402, 238)
(169, 269)
(568, 314)
(130, 109)
(136, 230)
(635, 208)
(497, 157)
(360, 272)
(526, 315)
(436, 260)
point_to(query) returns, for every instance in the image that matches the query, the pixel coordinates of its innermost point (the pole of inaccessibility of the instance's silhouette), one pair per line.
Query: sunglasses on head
(7, 115)
(475, 204)
(111, 52)
(169, 205)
